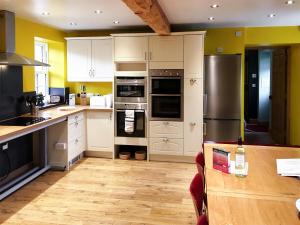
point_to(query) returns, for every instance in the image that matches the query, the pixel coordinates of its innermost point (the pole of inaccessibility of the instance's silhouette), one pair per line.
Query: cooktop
(22, 121)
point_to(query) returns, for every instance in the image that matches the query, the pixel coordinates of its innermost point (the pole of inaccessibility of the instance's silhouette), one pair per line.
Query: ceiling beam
(151, 13)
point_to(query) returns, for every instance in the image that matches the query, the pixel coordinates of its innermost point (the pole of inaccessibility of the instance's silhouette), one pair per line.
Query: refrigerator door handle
(204, 129)
(204, 104)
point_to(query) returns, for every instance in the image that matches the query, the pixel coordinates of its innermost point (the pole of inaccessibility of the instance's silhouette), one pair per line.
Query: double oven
(166, 94)
(131, 95)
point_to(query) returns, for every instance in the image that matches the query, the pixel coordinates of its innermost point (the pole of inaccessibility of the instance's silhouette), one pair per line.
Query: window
(41, 72)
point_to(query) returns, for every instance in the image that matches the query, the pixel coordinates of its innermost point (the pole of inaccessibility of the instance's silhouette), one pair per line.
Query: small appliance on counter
(54, 99)
(97, 101)
(72, 99)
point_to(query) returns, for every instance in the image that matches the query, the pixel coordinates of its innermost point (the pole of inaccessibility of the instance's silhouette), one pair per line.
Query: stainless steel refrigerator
(222, 98)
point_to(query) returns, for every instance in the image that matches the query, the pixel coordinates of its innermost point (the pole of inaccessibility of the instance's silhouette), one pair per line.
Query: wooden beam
(150, 12)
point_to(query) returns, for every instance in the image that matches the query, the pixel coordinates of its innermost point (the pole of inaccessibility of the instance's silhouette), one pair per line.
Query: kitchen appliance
(140, 120)
(22, 121)
(8, 46)
(166, 94)
(97, 101)
(131, 89)
(72, 99)
(222, 98)
(54, 99)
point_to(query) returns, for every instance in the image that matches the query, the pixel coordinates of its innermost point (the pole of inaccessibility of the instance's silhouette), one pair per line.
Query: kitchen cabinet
(166, 48)
(166, 129)
(130, 49)
(100, 131)
(166, 146)
(72, 135)
(193, 56)
(193, 116)
(89, 60)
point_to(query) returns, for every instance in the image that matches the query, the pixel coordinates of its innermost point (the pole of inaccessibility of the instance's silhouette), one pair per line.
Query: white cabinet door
(102, 64)
(166, 129)
(131, 49)
(166, 48)
(166, 146)
(193, 116)
(78, 59)
(100, 136)
(193, 56)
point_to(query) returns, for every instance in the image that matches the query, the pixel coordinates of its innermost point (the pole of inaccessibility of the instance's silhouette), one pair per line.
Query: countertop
(55, 115)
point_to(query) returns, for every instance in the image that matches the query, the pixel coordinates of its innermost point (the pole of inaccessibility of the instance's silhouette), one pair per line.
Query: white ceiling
(231, 13)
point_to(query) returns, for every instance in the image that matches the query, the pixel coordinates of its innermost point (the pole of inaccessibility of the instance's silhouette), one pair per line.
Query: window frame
(41, 70)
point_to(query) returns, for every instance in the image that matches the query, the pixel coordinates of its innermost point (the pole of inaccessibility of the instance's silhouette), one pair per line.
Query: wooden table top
(262, 176)
(263, 197)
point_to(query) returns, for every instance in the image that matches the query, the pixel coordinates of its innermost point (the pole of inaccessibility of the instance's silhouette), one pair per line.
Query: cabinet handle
(90, 73)
(165, 140)
(76, 117)
(193, 124)
(76, 124)
(192, 81)
(76, 141)
(150, 55)
(166, 123)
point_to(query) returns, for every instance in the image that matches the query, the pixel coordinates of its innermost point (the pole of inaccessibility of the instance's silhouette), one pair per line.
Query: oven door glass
(130, 91)
(139, 124)
(166, 107)
(163, 85)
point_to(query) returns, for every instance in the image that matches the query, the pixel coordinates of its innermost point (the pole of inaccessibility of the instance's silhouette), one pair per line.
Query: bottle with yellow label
(240, 159)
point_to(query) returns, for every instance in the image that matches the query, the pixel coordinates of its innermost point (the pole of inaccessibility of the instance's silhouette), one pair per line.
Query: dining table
(263, 197)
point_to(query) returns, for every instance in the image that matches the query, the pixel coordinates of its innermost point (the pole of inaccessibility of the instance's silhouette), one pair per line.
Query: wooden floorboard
(103, 191)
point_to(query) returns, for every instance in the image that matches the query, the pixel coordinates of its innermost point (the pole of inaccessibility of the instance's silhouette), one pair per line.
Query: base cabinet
(100, 135)
(67, 141)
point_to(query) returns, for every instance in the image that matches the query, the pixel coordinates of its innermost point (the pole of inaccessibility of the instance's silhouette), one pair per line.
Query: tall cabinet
(193, 93)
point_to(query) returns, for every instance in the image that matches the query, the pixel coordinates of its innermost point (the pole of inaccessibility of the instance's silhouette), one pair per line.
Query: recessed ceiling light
(211, 18)
(45, 13)
(98, 11)
(214, 6)
(290, 2)
(73, 24)
(116, 22)
(272, 15)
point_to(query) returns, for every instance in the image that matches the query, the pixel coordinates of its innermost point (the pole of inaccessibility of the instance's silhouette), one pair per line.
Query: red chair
(202, 220)
(197, 192)
(200, 162)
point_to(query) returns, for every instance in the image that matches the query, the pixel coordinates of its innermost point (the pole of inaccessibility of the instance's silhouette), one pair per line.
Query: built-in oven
(166, 94)
(131, 89)
(138, 121)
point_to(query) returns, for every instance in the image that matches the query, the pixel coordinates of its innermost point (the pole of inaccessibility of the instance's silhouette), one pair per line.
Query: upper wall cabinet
(193, 56)
(90, 60)
(131, 49)
(166, 48)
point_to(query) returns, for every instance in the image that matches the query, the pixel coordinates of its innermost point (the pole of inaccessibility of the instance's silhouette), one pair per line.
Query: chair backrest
(197, 192)
(200, 162)
(202, 220)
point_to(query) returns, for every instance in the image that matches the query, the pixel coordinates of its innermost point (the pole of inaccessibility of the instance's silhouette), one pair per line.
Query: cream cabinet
(67, 141)
(100, 134)
(166, 48)
(130, 49)
(166, 146)
(193, 56)
(90, 60)
(193, 115)
(166, 129)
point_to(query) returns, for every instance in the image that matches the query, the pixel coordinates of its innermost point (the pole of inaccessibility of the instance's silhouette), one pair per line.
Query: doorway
(266, 96)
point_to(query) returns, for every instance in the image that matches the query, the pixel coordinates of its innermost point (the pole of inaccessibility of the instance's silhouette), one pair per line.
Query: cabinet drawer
(75, 118)
(166, 146)
(76, 129)
(75, 147)
(166, 129)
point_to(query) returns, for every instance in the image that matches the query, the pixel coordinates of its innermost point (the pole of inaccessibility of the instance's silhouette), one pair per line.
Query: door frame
(288, 83)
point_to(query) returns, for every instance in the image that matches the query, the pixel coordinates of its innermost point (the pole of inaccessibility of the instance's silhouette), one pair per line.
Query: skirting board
(98, 154)
(171, 158)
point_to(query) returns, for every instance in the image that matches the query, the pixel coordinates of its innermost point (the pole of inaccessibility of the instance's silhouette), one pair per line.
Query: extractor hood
(7, 43)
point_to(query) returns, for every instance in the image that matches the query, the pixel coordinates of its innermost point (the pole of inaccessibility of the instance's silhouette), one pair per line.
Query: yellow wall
(26, 32)
(295, 95)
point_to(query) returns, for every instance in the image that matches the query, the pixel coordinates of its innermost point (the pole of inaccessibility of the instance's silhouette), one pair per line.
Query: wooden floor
(103, 191)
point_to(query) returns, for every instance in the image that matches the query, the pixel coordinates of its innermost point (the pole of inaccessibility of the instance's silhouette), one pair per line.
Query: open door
(278, 96)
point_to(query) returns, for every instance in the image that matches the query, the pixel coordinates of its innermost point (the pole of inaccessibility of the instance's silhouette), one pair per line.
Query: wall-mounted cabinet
(131, 49)
(90, 60)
